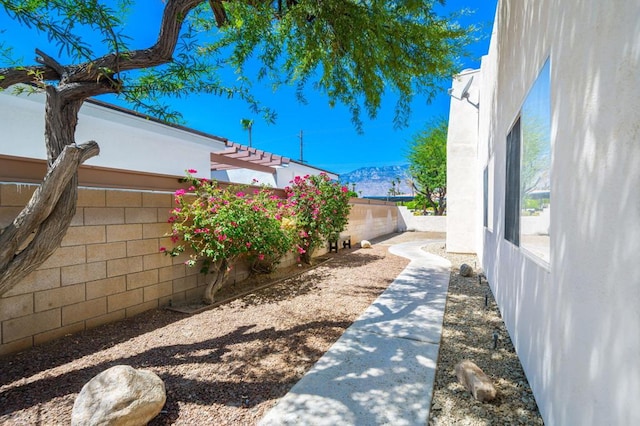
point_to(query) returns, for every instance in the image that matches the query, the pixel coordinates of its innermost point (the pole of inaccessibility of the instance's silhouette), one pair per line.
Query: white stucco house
(544, 185)
(135, 142)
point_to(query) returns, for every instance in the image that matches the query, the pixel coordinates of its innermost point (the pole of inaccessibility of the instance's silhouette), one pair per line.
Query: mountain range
(377, 181)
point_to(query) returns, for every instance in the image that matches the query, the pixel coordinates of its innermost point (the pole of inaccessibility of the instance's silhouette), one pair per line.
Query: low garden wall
(109, 266)
(409, 222)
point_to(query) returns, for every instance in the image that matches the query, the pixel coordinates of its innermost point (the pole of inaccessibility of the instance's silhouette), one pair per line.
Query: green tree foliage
(353, 51)
(428, 165)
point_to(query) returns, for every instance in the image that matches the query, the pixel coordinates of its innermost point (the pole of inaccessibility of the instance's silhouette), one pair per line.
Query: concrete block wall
(370, 218)
(109, 267)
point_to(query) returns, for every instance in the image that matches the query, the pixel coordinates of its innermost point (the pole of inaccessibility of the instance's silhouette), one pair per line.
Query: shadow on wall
(575, 327)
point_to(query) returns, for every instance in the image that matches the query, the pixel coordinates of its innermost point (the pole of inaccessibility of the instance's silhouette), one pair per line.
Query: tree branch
(160, 53)
(38, 212)
(29, 74)
(218, 12)
(48, 61)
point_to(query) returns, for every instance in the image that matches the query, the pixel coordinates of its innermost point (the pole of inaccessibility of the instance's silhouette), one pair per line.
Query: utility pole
(301, 144)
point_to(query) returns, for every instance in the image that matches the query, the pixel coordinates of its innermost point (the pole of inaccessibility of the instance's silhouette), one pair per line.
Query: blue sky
(330, 140)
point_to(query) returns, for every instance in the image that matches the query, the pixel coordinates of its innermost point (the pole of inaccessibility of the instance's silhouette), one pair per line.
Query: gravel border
(469, 328)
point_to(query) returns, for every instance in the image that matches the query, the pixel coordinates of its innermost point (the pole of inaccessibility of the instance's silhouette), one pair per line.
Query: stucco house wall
(130, 141)
(575, 319)
(462, 145)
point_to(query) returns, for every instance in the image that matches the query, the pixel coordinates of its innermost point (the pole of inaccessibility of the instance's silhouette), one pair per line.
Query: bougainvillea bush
(320, 209)
(217, 226)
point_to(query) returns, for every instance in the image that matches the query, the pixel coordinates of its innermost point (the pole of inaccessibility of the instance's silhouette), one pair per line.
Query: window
(528, 172)
(512, 188)
(535, 169)
(485, 185)
(488, 195)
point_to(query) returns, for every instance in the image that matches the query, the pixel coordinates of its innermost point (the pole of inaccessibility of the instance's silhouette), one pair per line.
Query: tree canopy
(428, 164)
(354, 51)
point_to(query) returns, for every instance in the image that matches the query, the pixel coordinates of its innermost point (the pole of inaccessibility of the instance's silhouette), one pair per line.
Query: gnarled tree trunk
(219, 276)
(39, 228)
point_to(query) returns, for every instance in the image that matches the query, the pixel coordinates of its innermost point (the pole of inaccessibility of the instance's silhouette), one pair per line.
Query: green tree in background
(352, 51)
(428, 165)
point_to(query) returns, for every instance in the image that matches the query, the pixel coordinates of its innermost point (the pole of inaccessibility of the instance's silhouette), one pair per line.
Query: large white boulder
(119, 396)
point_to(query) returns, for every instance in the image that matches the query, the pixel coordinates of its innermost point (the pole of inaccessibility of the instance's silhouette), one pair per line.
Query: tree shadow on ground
(163, 360)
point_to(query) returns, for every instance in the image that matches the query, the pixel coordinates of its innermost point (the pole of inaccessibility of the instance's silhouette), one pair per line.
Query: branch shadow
(164, 360)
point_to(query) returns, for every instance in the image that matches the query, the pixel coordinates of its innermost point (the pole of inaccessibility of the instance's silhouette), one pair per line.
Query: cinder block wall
(370, 218)
(109, 266)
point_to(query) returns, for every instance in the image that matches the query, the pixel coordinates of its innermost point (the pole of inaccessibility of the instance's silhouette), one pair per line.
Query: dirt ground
(230, 364)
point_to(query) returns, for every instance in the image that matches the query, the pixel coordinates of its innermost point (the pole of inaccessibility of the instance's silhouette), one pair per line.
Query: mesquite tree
(353, 51)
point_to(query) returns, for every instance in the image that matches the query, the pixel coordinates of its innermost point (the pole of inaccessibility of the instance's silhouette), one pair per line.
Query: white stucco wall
(286, 174)
(575, 322)
(408, 222)
(126, 141)
(129, 142)
(462, 145)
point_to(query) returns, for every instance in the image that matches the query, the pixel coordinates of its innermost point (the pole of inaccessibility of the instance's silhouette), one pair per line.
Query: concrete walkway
(381, 371)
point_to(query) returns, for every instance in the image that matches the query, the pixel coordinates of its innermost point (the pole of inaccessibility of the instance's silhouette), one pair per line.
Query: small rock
(120, 395)
(365, 244)
(475, 381)
(466, 270)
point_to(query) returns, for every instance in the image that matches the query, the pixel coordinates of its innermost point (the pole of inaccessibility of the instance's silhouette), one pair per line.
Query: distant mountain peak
(377, 181)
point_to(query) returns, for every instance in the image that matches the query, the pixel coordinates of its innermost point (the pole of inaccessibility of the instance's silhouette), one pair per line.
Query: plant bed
(254, 283)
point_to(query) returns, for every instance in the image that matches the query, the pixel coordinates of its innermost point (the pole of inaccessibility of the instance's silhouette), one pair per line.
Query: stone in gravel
(466, 270)
(365, 244)
(475, 381)
(120, 395)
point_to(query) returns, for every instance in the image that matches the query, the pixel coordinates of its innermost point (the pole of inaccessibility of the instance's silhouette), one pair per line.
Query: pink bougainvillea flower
(248, 244)
(345, 189)
(301, 250)
(163, 249)
(261, 256)
(192, 171)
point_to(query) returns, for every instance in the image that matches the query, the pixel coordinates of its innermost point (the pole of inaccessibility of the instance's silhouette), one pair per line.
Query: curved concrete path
(381, 371)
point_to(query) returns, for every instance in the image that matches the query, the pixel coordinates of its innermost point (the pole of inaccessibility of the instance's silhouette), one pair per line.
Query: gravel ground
(229, 365)
(468, 333)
